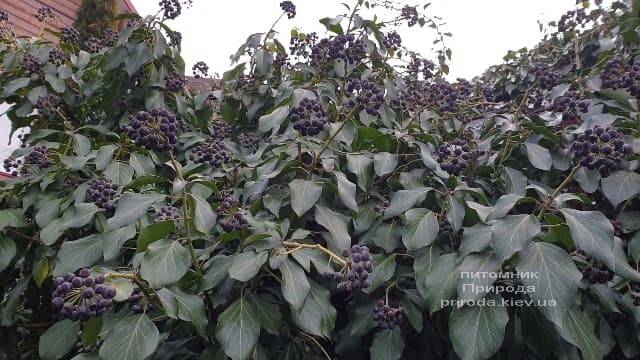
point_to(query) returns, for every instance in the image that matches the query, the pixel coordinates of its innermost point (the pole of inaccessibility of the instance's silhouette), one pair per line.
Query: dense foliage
(330, 198)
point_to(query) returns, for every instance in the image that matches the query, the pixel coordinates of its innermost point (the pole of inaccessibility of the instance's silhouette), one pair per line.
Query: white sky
(483, 31)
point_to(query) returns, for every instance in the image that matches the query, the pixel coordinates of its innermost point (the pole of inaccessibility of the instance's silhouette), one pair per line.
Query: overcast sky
(483, 31)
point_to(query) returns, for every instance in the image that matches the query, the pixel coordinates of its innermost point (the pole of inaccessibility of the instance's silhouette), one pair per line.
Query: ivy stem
(555, 192)
(297, 246)
(330, 139)
(192, 250)
(30, 238)
(175, 165)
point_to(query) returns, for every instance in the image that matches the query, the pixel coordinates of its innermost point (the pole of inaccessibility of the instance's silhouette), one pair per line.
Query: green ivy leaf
(131, 207)
(512, 234)
(119, 173)
(621, 186)
(267, 310)
(137, 55)
(7, 251)
(295, 286)
(384, 163)
(114, 240)
(483, 264)
(131, 338)
(204, 217)
(272, 121)
(441, 281)
(304, 194)
(421, 230)
(577, 329)
(238, 329)
(360, 166)
(247, 265)
(539, 156)
(58, 340)
(77, 254)
(592, 232)
(346, 191)
(387, 345)
(515, 181)
(553, 275)
(337, 225)
(153, 233)
(404, 200)
(383, 270)
(164, 263)
(478, 331)
(317, 316)
(217, 271)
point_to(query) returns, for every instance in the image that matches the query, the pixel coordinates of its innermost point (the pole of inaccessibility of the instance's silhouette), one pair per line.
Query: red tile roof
(21, 13)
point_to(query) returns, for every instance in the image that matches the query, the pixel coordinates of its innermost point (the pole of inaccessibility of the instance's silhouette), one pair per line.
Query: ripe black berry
(289, 8)
(48, 104)
(356, 274)
(366, 94)
(601, 148)
(103, 193)
(69, 35)
(81, 296)
(4, 16)
(93, 45)
(168, 213)
(248, 140)
(154, 130)
(171, 8)
(39, 157)
(139, 303)
(12, 166)
(220, 130)
(109, 37)
(231, 215)
(309, 118)
(595, 271)
(392, 41)
(545, 75)
(200, 69)
(45, 14)
(409, 13)
(342, 47)
(57, 56)
(455, 156)
(174, 82)
(31, 64)
(386, 316)
(213, 153)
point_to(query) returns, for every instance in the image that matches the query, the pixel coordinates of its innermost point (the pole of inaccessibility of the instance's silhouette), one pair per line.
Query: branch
(555, 192)
(297, 246)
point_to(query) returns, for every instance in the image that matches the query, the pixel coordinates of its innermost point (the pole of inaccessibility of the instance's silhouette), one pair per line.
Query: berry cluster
(281, 59)
(380, 209)
(213, 153)
(301, 45)
(103, 193)
(634, 292)
(356, 274)
(417, 66)
(248, 140)
(175, 38)
(596, 271)
(31, 64)
(174, 82)
(4, 16)
(45, 14)
(11, 166)
(386, 316)
(109, 37)
(572, 19)
(289, 8)
(93, 45)
(631, 80)
(409, 13)
(545, 75)
(231, 216)
(168, 213)
(392, 41)
(601, 148)
(171, 8)
(69, 35)
(200, 70)
(342, 47)
(447, 234)
(309, 118)
(39, 157)
(81, 296)
(612, 74)
(220, 130)
(569, 105)
(48, 104)
(454, 156)
(154, 130)
(366, 94)
(57, 56)
(139, 303)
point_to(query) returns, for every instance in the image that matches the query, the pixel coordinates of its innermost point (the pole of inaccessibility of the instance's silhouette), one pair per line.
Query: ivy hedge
(330, 197)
